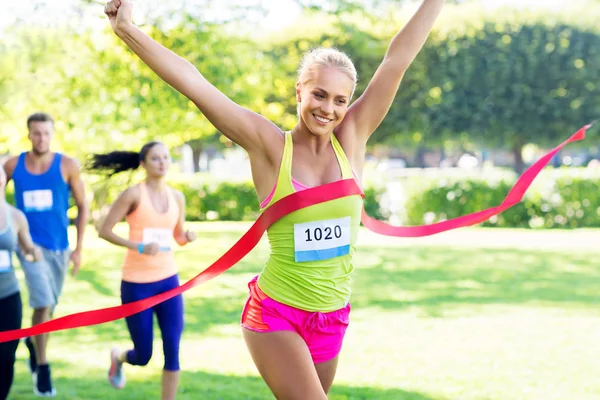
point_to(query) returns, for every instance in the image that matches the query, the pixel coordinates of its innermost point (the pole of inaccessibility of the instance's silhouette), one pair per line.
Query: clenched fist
(151, 249)
(119, 14)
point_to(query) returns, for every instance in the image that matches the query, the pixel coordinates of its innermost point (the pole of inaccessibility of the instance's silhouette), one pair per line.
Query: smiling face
(323, 99)
(157, 161)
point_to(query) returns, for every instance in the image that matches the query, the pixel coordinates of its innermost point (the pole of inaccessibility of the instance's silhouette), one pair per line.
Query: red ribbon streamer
(250, 239)
(514, 196)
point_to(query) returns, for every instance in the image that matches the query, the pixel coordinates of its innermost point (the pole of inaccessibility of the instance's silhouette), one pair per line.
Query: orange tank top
(146, 225)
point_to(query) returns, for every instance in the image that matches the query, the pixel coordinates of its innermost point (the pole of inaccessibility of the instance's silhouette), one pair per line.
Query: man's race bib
(321, 240)
(157, 235)
(5, 263)
(37, 200)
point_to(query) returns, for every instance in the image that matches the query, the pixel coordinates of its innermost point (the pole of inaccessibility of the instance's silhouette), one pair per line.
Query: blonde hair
(326, 57)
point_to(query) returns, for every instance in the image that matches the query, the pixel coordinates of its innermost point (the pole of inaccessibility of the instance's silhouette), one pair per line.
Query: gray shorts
(45, 278)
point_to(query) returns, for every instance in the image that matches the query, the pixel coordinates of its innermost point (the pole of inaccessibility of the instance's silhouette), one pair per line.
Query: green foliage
(103, 97)
(563, 199)
(225, 201)
(10, 195)
(484, 79)
(205, 199)
(421, 311)
(372, 203)
(515, 83)
(579, 203)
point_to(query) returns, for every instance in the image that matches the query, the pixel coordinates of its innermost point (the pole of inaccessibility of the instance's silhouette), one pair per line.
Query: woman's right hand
(34, 254)
(151, 249)
(37, 254)
(119, 14)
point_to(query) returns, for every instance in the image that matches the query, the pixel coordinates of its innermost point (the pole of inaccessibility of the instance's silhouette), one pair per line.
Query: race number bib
(321, 240)
(4, 261)
(37, 200)
(157, 235)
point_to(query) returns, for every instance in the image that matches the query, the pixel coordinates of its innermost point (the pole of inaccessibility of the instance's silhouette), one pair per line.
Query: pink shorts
(322, 332)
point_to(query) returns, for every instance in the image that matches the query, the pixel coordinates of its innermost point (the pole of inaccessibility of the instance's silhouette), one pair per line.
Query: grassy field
(472, 314)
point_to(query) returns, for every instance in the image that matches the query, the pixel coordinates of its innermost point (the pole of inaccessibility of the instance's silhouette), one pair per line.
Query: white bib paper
(37, 200)
(321, 240)
(5, 261)
(157, 235)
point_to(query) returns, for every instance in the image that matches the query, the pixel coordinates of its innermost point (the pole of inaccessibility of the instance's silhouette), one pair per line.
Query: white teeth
(321, 119)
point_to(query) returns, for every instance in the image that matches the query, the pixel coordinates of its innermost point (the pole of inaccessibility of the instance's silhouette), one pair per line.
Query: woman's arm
(253, 132)
(367, 112)
(181, 236)
(127, 202)
(30, 250)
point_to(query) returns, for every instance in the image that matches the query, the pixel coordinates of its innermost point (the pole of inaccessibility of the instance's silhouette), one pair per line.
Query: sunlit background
(503, 311)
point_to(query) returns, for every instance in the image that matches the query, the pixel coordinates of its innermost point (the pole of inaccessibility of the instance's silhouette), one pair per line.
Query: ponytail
(114, 162)
(119, 161)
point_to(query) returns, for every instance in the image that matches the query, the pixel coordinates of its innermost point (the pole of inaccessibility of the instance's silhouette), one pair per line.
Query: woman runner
(14, 231)
(155, 214)
(298, 310)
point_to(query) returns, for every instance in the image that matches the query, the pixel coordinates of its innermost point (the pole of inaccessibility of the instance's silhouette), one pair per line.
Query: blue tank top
(44, 199)
(9, 284)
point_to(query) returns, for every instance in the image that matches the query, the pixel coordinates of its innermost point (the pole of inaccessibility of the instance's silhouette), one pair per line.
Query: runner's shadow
(91, 384)
(435, 278)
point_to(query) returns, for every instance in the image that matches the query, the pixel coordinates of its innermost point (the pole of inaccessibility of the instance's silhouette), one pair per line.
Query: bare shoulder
(69, 163)
(274, 141)
(350, 142)
(10, 165)
(178, 195)
(131, 194)
(17, 216)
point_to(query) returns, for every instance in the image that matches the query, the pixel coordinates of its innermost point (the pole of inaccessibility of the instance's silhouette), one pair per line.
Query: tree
(513, 83)
(103, 97)
(506, 79)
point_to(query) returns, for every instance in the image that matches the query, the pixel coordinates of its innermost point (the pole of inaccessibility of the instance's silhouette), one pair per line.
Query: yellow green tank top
(310, 265)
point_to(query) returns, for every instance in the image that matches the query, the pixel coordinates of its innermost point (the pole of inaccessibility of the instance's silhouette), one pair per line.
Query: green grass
(472, 314)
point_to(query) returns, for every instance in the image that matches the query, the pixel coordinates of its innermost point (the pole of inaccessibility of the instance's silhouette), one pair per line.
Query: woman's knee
(285, 363)
(140, 356)
(172, 363)
(299, 394)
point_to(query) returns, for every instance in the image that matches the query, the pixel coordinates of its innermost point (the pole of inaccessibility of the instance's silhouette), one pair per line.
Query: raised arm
(367, 112)
(253, 132)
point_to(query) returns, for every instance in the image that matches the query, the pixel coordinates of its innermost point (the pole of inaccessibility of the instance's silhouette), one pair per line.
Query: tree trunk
(197, 148)
(421, 157)
(196, 151)
(518, 154)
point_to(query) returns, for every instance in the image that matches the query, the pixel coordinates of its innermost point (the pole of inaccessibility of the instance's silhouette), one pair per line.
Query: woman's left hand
(190, 236)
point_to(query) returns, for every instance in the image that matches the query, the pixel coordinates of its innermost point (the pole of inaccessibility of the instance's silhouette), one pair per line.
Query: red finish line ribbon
(250, 239)
(514, 196)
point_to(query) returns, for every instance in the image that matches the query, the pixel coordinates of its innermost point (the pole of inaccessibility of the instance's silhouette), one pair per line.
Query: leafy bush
(565, 198)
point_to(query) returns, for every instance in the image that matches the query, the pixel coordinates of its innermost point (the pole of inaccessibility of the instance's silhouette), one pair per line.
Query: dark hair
(119, 161)
(39, 117)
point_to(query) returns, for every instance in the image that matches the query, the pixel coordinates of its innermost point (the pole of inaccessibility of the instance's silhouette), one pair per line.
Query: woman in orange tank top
(155, 214)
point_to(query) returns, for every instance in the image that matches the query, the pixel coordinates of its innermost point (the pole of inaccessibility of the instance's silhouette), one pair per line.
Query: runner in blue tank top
(44, 181)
